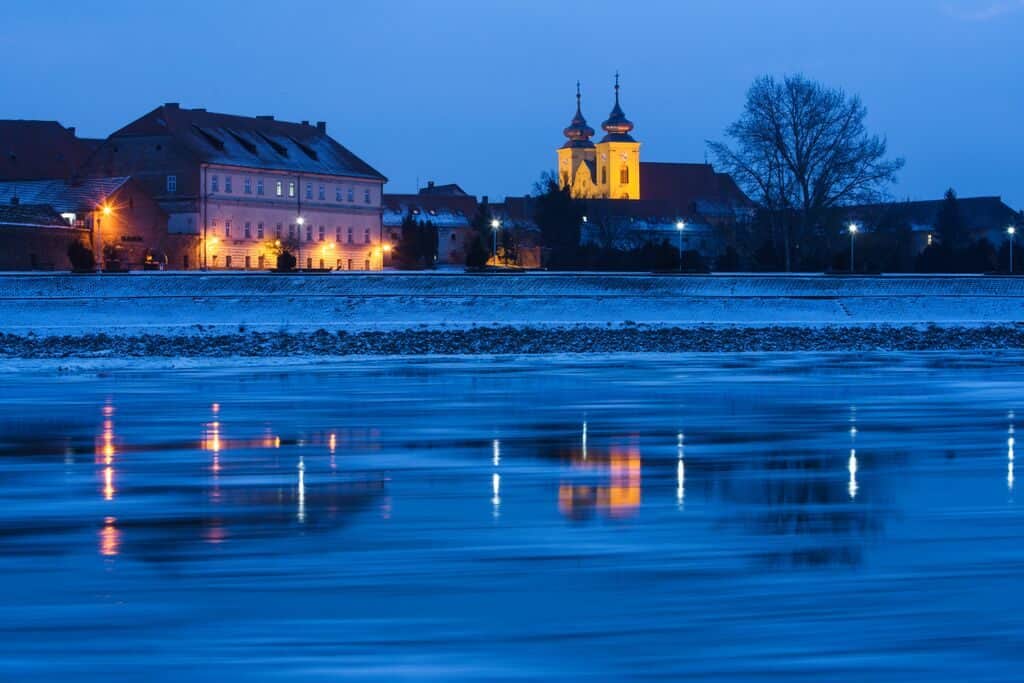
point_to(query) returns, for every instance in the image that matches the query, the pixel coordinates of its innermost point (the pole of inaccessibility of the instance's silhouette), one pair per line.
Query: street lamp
(853, 231)
(680, 225)
(300, 221)
(1011, 231)
(495, 225)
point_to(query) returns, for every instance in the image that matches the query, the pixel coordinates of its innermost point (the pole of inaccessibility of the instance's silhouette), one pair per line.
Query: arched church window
(604, 175)
(624, 175)
(565, 179)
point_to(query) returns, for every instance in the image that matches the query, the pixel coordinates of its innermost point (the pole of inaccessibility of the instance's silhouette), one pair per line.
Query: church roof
(617, 126)
(578, 132)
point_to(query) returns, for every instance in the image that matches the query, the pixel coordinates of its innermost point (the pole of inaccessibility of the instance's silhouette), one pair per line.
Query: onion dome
(578, 132)
(617, 126)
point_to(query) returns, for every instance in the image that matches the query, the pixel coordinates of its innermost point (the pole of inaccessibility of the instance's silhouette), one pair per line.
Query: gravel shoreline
(519, 340)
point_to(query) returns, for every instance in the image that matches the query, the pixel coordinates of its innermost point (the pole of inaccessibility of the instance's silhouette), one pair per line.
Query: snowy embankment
(165, 314)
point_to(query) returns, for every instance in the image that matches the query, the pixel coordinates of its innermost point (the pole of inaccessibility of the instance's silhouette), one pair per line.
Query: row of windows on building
(341, 194)
(295, 232)
(261, 263)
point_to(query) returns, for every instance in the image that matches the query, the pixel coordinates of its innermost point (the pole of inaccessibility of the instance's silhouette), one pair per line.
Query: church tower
(618, 156)
(576, 158)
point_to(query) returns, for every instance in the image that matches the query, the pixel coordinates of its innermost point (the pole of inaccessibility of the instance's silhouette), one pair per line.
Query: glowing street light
(495, 225)
(299, 221)
(680, 226)
(1011, 231)
(853, 231)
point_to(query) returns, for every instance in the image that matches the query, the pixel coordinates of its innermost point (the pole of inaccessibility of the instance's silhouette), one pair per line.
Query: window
(214, 184)
(279, 188)
(351, 198)
(259, 187)
(214, 260)
(309, 263)
(337, 194)
(227, 184)
(366, 264)
(337, 234)
(321, 264)
(624, 175)
(184, 262)
(309, 233)
(321, 233)
(247, 183)
(309, 190)
(366, 196)
(172, 183)
(604, 175)
(349, 239)
(291, 231)
(349, 264)
(227, 228)
(248, 262)
(259, 231)
(291, 188)
(227, 261)
(322, 193)
(248, 230)
(338, 264)
(262, 261)
(277, 231)
(366, 236)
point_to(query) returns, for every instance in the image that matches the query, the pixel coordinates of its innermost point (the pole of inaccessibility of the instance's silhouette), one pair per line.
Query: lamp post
(1011, 231)
(680, 225)
(853, 232)
(495, 225)
(300, 221)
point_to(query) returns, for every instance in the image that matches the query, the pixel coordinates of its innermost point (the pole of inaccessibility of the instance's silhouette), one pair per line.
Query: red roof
(40, 150)
(690, 188)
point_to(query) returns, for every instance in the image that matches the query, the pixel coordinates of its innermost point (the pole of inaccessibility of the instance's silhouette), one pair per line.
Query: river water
(781, 517)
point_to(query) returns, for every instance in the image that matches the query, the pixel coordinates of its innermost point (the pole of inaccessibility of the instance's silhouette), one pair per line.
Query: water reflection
(680, 471)
(608, 482)
(1009, 454)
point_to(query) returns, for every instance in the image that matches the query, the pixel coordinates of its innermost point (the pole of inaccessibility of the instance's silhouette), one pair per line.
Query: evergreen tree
(949, 224)
(558, 216)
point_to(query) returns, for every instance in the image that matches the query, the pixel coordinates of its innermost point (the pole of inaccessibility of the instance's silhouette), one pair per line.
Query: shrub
(81, 257)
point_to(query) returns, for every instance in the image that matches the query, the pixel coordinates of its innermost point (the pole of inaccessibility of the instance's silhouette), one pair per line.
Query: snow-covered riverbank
(221, 315)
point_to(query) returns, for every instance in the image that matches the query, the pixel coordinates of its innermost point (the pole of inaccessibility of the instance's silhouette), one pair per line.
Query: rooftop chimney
(172, 105)
(430, 183)
(71, 129)
(322, 126)
(305, 123)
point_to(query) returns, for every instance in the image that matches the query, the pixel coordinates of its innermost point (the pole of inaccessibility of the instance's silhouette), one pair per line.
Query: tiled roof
(691, 188)
(444, 211)
(251, 142)
(62, 195)
(30, 215)
(34, 150)
(977, 213)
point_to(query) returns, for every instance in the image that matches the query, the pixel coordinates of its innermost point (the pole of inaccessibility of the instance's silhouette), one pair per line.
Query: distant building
(116, 217)
(447, 207)
(250, 186)
(36, 237)
(41, 150)
(982, 217)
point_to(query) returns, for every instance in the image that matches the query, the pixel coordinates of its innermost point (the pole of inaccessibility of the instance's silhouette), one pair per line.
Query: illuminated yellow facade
(609, 169)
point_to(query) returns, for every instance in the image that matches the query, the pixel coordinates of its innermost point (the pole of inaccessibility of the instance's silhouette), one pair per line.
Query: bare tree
(802, 148)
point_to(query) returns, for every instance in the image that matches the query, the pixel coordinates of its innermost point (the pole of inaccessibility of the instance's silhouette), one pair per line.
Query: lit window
(624, 175)
(172, 183)
(259, 187)
(279, 188)
(309, 190)
(366, 196)
(248, 230)
(321, 233)
(247, 184)
(929, 239)
(291, 188)
(214, 184)
(227, 228)
(259, 231)
(351, 198)
(227, 184)
(321, 193)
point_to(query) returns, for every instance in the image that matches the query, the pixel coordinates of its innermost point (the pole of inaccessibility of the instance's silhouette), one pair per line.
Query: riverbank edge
(518, 340)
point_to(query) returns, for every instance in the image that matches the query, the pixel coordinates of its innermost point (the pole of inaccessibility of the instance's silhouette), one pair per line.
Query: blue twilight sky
(477, 92)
